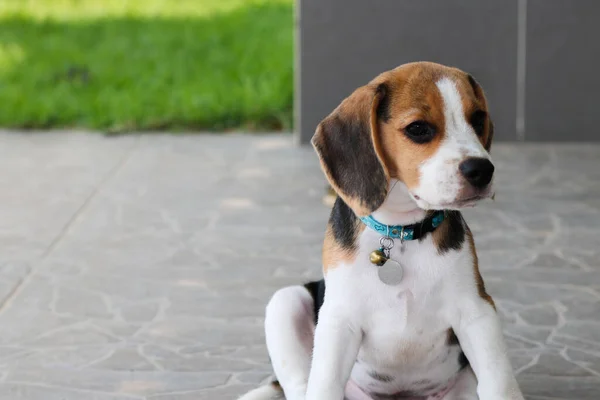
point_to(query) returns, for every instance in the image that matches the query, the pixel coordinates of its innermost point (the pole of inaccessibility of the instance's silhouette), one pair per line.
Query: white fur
(398, 208)
(440, 181)
(289, 329)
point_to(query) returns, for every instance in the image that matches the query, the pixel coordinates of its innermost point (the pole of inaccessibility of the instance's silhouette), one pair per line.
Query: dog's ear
(345, 142)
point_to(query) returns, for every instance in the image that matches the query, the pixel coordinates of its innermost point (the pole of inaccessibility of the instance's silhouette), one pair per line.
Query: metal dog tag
(391, 273)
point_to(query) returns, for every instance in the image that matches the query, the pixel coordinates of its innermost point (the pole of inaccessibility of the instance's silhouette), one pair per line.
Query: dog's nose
(477, 171)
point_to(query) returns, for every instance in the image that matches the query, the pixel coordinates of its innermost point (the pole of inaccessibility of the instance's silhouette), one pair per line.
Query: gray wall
(563, 70)
(534, 58)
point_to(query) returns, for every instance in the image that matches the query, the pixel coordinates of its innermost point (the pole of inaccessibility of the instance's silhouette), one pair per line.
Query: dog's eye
(420, 131)
(478, 121)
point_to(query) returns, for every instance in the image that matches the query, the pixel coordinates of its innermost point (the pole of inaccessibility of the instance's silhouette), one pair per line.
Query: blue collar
(406, 232)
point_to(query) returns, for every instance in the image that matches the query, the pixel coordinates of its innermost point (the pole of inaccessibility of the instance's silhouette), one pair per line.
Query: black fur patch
(474, 85)
(343, 224)
(462, 360)
(343, 141)
(317, 291)
(478, 121)
(450, 235)
(423, 229)
(380, 377)
(383, 108)
(349, 155)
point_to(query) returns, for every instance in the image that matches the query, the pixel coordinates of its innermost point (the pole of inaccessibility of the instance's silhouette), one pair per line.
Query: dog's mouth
(464, 202)
(467, 202)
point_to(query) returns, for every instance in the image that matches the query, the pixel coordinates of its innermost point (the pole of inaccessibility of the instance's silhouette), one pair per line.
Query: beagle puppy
(402, 311)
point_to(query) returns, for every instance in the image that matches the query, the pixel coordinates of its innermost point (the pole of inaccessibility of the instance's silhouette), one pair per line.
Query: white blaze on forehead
(453, 108)
(440, 181)
(459, 133)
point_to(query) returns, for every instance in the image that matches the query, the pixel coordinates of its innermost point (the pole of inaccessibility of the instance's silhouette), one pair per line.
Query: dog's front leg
(337, 340)
(480, 336)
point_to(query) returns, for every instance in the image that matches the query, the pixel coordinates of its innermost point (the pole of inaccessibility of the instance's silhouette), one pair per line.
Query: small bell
(378, 257)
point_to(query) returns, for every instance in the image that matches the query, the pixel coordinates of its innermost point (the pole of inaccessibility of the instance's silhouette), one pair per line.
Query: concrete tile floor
(138, 267)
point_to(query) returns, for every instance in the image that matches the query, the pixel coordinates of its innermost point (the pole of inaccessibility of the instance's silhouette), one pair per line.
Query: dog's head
(424, 124)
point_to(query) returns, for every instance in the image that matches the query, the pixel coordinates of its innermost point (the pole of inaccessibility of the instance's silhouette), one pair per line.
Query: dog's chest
(406, 352)
(405, 333)
(407, 348)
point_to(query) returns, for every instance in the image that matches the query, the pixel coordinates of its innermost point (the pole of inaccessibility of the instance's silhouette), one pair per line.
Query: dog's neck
(398, 208)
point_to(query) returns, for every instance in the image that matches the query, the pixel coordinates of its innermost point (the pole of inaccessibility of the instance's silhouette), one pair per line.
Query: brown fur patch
(330, 196)
(478, 278)
(334, 252)
(450, 235)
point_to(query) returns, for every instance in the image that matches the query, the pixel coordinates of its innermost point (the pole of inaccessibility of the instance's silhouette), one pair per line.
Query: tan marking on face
(415, 96)
(334, 254)
(478, 278)
(406, 118)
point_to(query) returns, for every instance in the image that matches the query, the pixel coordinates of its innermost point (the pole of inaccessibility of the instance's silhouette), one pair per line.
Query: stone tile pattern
(138, 267)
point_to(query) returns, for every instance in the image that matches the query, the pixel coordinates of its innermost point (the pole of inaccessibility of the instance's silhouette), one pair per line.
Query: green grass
(122, 65)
